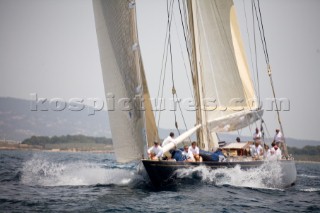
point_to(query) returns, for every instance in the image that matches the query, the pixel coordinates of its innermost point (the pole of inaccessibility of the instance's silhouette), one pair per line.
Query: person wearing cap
(155, 152)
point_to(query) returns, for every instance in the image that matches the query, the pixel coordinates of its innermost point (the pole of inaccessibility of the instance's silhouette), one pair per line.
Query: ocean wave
(268, 175)
(310, 190)
(308, 176)
(39, 171)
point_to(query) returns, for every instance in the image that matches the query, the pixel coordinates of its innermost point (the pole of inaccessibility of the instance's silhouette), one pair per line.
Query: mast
(202, 136)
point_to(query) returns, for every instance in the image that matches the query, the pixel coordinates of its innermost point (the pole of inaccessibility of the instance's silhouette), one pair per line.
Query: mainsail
(224, 86)
(124, 79)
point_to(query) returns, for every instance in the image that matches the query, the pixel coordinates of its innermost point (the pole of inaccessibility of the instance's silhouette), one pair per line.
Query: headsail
(224, 85)
(123, 77)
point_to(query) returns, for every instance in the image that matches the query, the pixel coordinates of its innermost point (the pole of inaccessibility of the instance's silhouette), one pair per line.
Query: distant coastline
(303, 161)
(48, 150)
(69, 143)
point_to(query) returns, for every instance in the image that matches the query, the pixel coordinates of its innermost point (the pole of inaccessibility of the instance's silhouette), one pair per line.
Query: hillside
(307, 153)
(18, 121)
(62, 143)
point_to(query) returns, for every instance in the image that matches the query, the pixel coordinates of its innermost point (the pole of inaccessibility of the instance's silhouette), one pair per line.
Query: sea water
(89, 182)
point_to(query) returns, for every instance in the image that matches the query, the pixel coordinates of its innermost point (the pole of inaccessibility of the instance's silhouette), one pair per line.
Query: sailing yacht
(219, 70)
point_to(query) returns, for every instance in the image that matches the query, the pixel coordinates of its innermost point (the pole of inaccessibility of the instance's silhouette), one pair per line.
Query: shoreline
(305, 161)
(49, 150)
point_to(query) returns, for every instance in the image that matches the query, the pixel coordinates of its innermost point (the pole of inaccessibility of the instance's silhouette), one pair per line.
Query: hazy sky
(50, 48)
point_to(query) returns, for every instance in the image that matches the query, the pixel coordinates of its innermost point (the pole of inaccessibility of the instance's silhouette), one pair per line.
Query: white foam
(308, 176)
(268, 175)
(39, 171)
(311, 190)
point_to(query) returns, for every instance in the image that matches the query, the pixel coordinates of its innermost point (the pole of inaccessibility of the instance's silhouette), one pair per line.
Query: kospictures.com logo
(114, 103)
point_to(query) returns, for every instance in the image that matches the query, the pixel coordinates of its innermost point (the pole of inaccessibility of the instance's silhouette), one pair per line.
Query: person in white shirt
(195, 151)
(266, 153)
(278, 152)
(275, 152)
(257, 136)
(168, 139)
(155, 152)
(187, 154)
(256, 150)
(278, 136)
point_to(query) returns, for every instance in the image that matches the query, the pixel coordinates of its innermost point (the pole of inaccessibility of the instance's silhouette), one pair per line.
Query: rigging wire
(167, 51)
(164, 65)
(174, 92)
(161, 72)
(263, 39)
(171, 60)
(266, 128)
(184, 63)
(189, 59)
(178, 102)
(186, 42)
(255, 51)
(262, 35)
(184, 6)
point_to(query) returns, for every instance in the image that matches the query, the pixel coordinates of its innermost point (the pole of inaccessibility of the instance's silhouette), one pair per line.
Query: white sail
(122, 67)
(224, 82)
(234, 121)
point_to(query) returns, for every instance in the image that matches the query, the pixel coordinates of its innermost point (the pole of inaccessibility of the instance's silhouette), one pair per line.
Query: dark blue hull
(162, 173)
